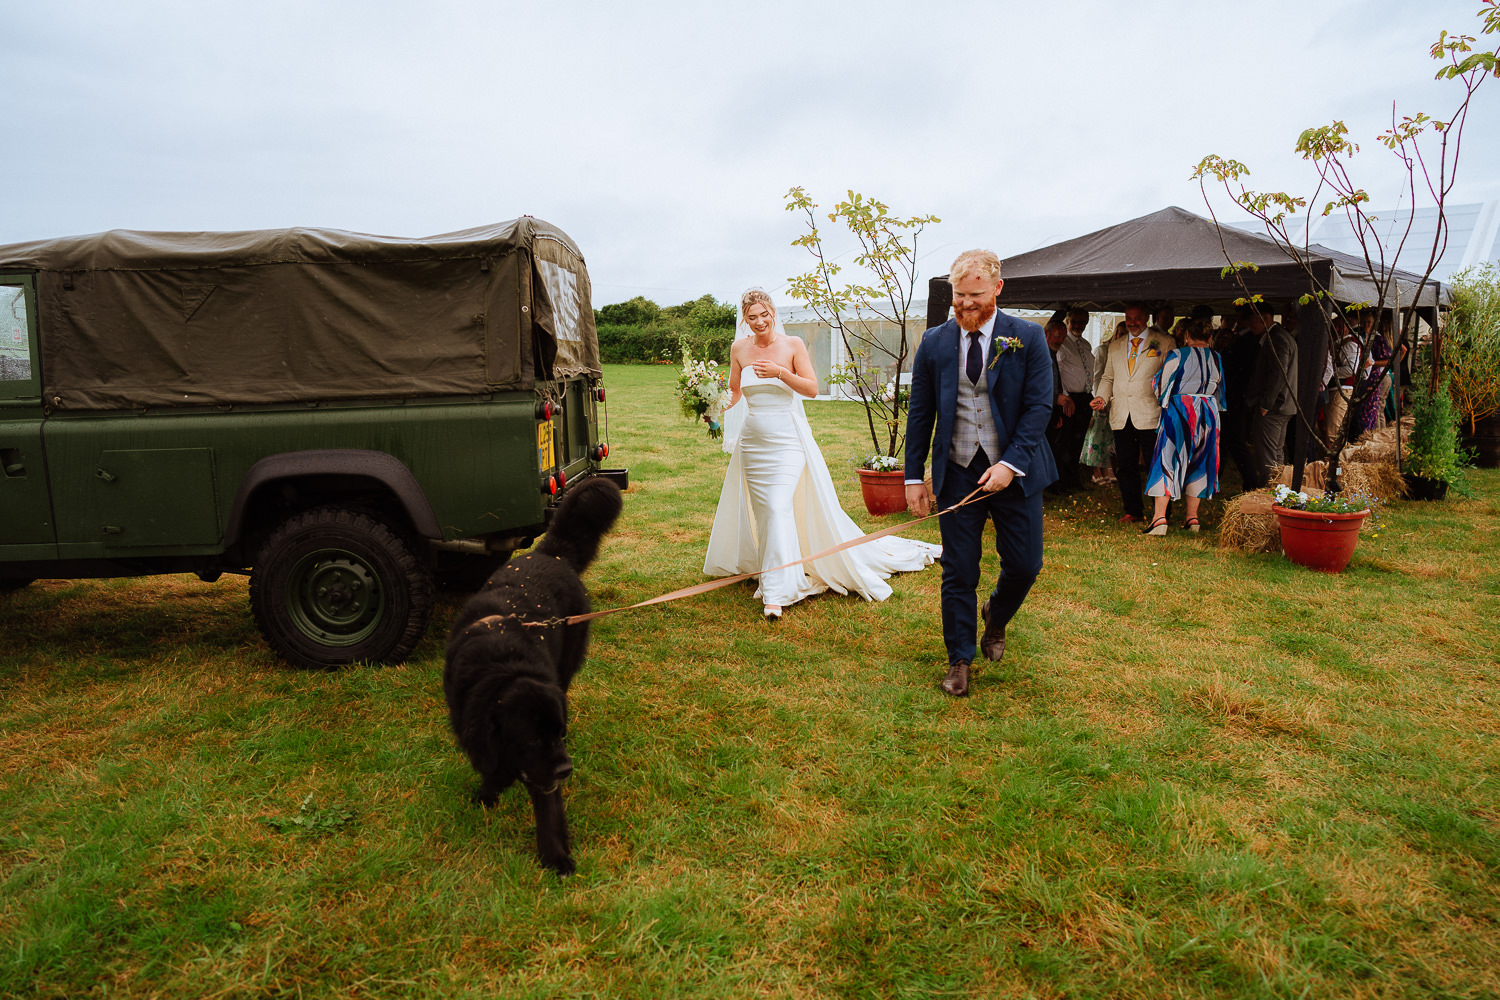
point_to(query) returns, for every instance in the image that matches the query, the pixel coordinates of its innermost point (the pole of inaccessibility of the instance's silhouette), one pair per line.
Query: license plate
(544, 450)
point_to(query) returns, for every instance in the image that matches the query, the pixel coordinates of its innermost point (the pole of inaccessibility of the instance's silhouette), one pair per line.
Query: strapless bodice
(765, 395)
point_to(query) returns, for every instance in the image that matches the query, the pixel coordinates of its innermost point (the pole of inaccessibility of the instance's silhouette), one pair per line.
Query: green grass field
(1197, 773)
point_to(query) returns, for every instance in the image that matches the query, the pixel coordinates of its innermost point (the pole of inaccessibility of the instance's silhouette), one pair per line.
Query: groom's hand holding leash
(996, 477)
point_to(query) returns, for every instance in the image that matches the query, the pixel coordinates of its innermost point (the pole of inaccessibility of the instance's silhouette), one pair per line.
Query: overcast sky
(664, 136)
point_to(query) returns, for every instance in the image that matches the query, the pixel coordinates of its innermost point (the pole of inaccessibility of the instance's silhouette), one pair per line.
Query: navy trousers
(1018, 540)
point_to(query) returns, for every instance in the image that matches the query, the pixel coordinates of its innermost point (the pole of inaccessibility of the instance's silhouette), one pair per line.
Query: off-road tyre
(14, 582)
(333, 586)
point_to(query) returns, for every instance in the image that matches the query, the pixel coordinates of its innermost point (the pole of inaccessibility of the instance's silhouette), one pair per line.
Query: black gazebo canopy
(1176, 256)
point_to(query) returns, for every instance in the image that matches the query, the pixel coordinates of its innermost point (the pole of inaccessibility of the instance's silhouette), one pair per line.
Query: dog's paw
(485, 797)
(562, 865)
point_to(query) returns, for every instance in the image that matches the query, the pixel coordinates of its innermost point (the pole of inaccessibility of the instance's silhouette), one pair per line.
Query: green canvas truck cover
(132, 320)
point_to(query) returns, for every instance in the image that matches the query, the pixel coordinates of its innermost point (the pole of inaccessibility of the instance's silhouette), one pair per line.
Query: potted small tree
(1427, 151)
(873, 365)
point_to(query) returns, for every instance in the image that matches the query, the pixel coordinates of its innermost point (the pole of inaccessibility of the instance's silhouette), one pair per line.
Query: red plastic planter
(1324, 542)
(884, 492)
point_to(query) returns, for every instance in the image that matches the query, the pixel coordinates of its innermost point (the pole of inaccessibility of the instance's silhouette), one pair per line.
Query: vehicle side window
(15, 339)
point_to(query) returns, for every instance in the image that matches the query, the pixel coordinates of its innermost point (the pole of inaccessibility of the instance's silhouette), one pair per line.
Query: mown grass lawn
(1197, 773)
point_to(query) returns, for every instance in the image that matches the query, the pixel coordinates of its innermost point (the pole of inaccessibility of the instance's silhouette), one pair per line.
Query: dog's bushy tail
(585, 515)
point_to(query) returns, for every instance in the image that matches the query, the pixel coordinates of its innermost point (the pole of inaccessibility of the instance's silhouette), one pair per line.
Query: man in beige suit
(1134, 358)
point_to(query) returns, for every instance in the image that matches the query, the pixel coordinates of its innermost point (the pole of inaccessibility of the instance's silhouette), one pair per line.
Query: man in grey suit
(981, 396)
(1272, 397)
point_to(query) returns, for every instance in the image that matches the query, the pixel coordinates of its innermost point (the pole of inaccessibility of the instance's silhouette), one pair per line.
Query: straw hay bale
(1379, 446)
(1378, 479)
(1368, 467)
(1249, 524)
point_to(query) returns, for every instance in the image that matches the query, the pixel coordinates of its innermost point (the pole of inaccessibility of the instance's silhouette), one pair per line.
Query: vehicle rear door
(26, 523)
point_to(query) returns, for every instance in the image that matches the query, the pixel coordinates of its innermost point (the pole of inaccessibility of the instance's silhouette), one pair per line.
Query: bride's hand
(766, 369)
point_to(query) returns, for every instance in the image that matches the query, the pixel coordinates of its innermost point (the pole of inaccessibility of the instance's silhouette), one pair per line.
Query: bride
(778, 504)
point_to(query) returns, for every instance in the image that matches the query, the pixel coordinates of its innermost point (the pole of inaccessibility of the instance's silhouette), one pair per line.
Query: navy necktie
(976, 357)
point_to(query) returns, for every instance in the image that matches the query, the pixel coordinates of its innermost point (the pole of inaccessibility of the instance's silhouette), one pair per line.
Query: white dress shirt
(1075, 363)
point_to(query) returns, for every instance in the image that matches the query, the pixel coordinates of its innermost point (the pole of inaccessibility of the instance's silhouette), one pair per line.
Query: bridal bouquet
(703, 391)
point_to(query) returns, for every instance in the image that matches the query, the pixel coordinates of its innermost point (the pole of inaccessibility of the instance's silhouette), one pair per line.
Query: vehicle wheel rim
(335, 597)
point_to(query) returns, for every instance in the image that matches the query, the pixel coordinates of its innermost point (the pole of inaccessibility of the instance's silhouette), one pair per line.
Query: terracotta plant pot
(1324, 542)
(884, 492)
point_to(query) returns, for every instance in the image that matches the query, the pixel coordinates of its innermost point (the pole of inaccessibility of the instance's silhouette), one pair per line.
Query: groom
(984, 379)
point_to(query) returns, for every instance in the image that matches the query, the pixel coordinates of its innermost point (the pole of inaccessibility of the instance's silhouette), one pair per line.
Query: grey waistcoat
(974, 424)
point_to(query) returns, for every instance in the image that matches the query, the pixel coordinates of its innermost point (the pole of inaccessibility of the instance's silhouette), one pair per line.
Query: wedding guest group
(1074, 389)
(1238, 349)
(1344, 354)
(1377, 379)
(1272, 394)
(1125, 388)
(982, 395)
(1098, 440)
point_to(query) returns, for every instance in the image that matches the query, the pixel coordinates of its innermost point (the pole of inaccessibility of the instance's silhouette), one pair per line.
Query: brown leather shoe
(957, 681)
(992, 643)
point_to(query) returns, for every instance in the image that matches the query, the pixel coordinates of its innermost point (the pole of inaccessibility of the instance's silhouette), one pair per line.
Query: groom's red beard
(973, 317)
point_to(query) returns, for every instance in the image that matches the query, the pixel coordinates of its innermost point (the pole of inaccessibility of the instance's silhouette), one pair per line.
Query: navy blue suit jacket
(1020, 383)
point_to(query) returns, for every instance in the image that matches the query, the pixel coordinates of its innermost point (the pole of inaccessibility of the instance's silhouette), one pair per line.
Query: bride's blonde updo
(753, 296)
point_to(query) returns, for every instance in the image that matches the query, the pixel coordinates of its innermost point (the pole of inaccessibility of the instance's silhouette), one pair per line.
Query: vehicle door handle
(10, 460)
(105, 475)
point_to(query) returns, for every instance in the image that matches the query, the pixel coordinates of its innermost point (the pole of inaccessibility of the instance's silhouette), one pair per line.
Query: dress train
(778, 505)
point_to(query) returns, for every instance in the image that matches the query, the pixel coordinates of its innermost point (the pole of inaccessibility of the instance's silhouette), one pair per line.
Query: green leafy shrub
(1471, 344)
(638, 344)
(639, 311)
(1433, 450)
(641, 332)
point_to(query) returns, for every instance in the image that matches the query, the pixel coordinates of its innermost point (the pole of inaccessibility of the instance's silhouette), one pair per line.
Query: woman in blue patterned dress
(1185, 464)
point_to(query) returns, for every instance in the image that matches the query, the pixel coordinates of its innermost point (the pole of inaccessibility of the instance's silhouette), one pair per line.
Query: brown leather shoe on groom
(957, 681)
(992, 643)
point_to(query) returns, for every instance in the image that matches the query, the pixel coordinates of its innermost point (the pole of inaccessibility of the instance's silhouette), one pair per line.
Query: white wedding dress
(778, 505)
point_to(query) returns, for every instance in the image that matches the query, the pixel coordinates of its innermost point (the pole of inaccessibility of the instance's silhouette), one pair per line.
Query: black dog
(507, 682)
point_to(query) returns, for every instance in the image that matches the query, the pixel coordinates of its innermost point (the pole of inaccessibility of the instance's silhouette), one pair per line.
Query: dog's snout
(563, 770)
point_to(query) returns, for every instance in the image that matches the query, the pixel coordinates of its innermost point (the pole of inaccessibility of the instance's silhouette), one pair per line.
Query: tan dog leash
(726, 581)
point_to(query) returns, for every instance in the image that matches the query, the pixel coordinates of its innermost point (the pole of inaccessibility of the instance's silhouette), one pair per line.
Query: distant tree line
(643, 332)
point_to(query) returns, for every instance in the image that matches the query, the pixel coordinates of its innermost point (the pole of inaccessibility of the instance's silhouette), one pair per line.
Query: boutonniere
(1004, 345)
(1153, 348)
